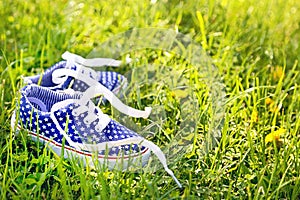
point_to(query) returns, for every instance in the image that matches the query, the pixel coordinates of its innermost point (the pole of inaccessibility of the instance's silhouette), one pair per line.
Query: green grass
(255, 46)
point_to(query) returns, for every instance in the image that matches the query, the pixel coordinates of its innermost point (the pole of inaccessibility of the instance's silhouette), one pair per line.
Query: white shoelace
(93, 62)
(60, 75)
(87, 106)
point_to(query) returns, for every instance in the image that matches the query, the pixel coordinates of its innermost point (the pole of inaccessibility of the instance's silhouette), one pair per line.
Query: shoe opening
(43, 98)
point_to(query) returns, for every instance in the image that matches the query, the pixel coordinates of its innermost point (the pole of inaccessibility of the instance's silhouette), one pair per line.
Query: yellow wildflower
(275, 136)
(254, 116)
(272, 105)
(269, 101)
(278, 73)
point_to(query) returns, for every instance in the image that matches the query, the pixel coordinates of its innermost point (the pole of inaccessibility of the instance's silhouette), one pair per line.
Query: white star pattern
(43, 123)
(76, 137)
(114, 154)
(94, 136)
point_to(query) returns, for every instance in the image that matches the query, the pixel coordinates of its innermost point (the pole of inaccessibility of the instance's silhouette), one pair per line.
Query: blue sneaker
(73, 124)
(111, 80)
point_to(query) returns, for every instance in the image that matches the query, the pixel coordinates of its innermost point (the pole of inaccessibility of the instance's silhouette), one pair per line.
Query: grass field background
(255, 46)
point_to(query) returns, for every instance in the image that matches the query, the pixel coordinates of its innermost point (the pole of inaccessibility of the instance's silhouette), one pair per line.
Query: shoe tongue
(67, 83)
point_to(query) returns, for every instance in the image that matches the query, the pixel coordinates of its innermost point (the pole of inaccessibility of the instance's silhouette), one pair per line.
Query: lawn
(246, 85)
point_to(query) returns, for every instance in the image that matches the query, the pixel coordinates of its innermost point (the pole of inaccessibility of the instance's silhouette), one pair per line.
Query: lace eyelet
(98, 128)
(86, 121)
(75, 113)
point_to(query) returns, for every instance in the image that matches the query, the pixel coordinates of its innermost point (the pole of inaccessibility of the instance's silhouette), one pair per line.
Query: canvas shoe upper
(54, 116)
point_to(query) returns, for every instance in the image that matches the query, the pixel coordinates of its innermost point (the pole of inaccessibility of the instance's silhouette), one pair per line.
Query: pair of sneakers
(57, 108)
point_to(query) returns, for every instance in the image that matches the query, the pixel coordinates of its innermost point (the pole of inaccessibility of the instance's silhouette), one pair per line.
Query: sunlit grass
(255, 46)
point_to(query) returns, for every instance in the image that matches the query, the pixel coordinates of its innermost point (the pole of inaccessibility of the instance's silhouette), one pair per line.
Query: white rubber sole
(111, 162)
